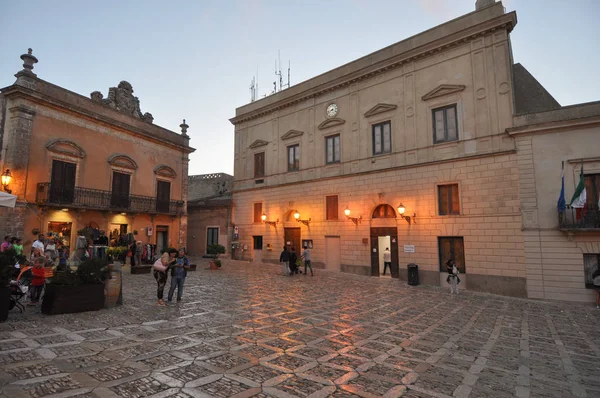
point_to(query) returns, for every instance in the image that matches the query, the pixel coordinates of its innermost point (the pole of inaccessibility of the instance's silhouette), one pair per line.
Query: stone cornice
(292, 134)
(311, 89)
(258, 144)
(335, 121)
(65, 147)
(380, 108)
(35, 95)
(552, 127)
(443, 89)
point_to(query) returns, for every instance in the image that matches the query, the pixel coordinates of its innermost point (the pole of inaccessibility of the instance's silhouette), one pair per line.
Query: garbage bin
(413, 274)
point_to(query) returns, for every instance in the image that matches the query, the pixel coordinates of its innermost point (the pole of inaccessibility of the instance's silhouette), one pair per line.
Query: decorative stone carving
(165, 171)
(122, 99)
(335, 121)
(380, 108)
(65, 147)
(28, 61)
(122, 160)
(184, 126)
(443, 89)
(258, 144)
(292, 134)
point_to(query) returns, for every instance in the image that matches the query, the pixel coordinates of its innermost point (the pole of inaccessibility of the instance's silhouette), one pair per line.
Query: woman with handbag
(161, 266)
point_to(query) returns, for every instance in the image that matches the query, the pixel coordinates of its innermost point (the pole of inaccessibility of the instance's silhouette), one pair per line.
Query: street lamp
(297, 217)
(355, 220)
(401, 210)
(271, 223)
(6, 179)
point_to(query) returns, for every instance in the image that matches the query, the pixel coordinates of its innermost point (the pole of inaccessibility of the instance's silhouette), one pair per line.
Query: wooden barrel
(113, 290)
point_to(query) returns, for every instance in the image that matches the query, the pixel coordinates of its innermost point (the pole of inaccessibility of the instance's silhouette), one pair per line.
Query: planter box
(141, 269)
(213, 265)
(4, 303)
(192, 267)
(60, 299)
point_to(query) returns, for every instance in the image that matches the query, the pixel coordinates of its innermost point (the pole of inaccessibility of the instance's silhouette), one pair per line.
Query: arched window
(384, 211)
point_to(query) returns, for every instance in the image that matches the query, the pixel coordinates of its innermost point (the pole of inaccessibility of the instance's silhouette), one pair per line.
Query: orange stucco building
(82, 161)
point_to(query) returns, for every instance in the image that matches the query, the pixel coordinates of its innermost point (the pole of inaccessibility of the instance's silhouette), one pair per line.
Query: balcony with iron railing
(95, 199)
(582, 220)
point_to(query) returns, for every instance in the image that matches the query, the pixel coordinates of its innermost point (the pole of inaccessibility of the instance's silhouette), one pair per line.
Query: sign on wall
(409, 248)
(150, 231)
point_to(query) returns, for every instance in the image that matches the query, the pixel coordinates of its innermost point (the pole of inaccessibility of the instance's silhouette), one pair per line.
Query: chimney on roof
(480, 4)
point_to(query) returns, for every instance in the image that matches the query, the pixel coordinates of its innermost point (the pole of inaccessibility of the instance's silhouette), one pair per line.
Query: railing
(579, 219)
(77, 197)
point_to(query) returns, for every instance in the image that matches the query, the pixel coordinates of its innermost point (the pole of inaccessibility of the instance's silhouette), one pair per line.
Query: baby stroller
(19, 289)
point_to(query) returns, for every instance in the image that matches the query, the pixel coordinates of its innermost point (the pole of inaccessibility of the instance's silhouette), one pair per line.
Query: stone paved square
(487, 343)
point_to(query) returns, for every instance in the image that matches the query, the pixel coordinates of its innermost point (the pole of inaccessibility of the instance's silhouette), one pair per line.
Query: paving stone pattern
(247, 331)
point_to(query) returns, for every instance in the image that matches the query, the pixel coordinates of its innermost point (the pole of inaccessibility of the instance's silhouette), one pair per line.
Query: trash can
(413, 274)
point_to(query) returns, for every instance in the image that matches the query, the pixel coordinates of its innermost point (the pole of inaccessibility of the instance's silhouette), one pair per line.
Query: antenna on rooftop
(254, 87)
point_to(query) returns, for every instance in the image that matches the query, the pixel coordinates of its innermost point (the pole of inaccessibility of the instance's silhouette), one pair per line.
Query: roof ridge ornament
(28, 61)
(121, 98)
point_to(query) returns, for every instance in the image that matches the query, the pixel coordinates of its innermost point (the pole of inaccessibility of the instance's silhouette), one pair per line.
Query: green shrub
(215, 250)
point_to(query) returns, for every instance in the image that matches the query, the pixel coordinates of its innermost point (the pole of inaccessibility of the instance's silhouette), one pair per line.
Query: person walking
(293, 259)
(596, 281)
(6, 244)
(38, 280)
(387, 260)
(38, 244)
(161, 267)
(452, 278)
(284, 259)
(139, 250)
(18, 246)
(306, 258)
(178, 274)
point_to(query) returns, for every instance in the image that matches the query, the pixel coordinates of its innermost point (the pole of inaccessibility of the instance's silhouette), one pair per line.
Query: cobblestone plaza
(248, 331)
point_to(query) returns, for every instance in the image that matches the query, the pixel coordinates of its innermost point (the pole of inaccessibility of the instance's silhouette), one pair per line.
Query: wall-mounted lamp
(355, 220)
(297, 217)
(6, 179)
(401, 210)
(264, 219)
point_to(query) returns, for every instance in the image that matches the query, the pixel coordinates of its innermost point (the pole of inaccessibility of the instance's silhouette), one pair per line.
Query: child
(452, 278)
(178, 274)
(37, 281)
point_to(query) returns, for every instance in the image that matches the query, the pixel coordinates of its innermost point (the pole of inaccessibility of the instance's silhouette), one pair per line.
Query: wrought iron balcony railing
(86, 198)
(579, 219)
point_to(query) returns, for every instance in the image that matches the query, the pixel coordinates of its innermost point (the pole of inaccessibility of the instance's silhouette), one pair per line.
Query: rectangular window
(591, 262)
(331, 212)
(452, 248)
(382, 138)
(448, 203)
(332, 149)
(294, 158)
(62, 182)
(259, 165)
(212, 236)
(257, 213)
(119, 197)
(163, 196)
(592, 189)
(257, 240)
(445, 124)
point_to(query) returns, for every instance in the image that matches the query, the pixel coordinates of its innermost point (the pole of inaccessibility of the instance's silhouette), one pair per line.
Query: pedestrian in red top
(38, 279)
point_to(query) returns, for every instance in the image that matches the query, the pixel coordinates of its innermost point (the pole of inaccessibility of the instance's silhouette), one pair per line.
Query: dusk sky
(195, 59)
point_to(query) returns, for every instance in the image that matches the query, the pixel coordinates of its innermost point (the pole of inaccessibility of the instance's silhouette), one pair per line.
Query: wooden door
(163, 196)
(292, 235)
(62, 182)
(392, 232)
(119, 197)
(332, 253)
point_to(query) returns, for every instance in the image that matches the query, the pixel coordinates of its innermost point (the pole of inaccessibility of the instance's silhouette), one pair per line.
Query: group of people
(289, 261)
(177, 264)
(12, 243)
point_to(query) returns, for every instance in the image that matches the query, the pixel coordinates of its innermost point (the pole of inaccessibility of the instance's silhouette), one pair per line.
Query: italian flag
(579, 197)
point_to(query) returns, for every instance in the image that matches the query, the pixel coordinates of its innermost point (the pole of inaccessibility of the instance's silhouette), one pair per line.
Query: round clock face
(332, 110)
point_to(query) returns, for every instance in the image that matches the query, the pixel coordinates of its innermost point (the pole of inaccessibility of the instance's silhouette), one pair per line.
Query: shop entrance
(162, 238)
(380, 239)
(62, 230)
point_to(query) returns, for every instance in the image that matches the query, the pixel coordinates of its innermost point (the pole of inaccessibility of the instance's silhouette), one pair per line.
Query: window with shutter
(163, 196)
(452, 248)
(119, 197)
(294, 158)
(331, 207)
(445, 124)
(448, 202)
(257, 212)
(382, 140)
(259, 165)
(62, 182)
(332, 149)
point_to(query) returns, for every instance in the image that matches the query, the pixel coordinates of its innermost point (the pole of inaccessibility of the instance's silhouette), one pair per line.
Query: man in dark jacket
(284, 259)
(293, 259)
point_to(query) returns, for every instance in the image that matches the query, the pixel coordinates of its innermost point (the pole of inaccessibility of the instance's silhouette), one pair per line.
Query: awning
(7, 200)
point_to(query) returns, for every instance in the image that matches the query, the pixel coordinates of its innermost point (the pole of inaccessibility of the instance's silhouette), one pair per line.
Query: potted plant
(215, 250)
(116, 253)
(8, 259)
(76, 291)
